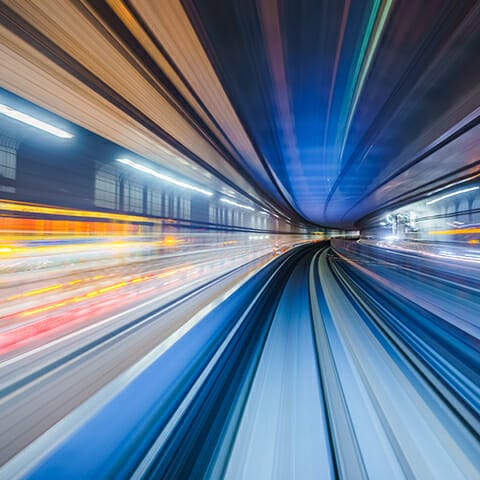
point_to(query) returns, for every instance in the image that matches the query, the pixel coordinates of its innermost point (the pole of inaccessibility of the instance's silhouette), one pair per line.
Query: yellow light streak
(459, 231)
(101, 291)
(21, 207)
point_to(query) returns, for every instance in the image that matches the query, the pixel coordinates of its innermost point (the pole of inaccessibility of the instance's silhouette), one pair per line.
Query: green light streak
(369, 57)
(371, 37)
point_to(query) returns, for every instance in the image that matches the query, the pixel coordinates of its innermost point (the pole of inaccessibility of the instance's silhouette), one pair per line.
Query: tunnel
(240, 239)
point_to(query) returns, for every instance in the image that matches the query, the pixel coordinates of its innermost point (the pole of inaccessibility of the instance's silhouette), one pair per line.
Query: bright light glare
(239, 205)
(164, 177)
(465, 190)
(34, 122)
(264, 213)
(390, 219)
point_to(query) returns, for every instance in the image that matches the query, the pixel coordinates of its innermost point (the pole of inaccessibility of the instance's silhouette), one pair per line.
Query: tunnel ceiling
(326, 110)
(340, 97)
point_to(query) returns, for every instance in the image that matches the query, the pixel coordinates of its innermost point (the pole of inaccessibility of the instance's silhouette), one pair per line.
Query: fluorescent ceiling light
(34, 122)
(465, 190)
(239, 205)
(164, 177)
(264, 213)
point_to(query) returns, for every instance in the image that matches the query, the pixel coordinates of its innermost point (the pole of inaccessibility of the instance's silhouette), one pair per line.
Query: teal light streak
(366, 53)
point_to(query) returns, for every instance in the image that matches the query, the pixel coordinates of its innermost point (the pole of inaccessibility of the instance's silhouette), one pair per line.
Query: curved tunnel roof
(325, 110)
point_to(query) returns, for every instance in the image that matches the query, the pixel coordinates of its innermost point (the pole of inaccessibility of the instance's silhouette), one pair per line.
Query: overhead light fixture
(465, 190)
(34, 122)
(165, 178)
(264, 213)
(239, 205)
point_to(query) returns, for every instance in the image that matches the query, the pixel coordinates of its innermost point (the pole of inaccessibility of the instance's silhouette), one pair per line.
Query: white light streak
(465, 190)
(34, 122)
(239, 205)
(165, 178)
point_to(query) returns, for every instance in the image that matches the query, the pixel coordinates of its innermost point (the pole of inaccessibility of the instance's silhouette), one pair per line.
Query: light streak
(165, 178)
(34, 122)
(457, 231)
(95, 293)
(448, 195)
(6, 205)
(235, 204)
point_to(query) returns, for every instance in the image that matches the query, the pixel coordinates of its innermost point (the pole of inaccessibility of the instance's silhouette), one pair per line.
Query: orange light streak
(459, 231)
(6, 205)
(101, 291)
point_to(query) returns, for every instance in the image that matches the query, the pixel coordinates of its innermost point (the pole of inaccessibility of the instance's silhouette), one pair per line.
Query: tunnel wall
(83, 174)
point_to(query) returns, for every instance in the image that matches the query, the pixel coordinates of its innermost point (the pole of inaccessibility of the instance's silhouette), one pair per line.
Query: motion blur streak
(240, 239)
(136, 268)
(22, 207)
(459, 231)
(309, 367)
